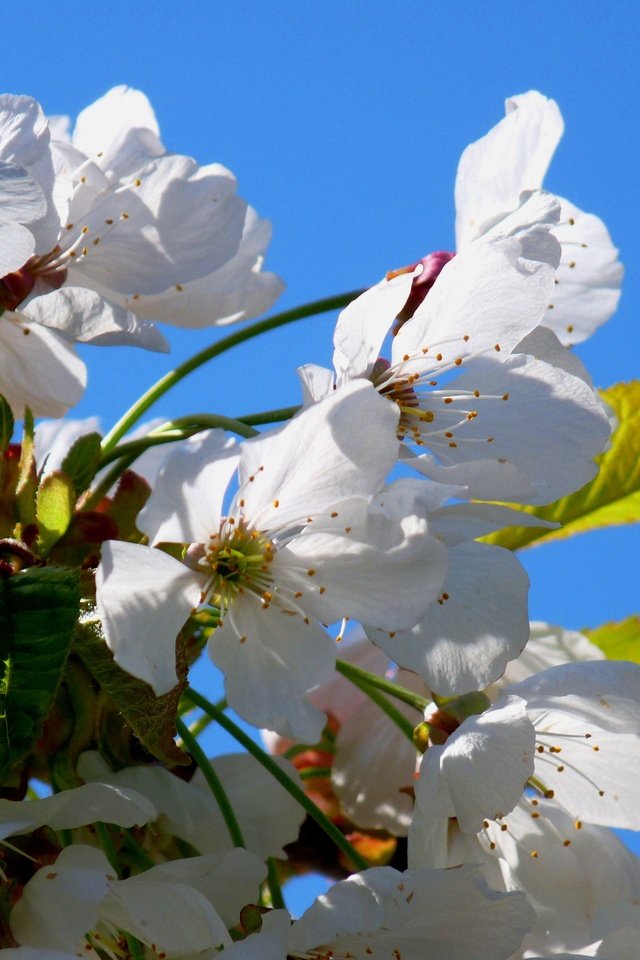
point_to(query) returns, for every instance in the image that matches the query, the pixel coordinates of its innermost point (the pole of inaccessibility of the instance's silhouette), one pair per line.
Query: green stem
(359, 676)
(269, 416)
(277, 900)
(92, 499)
(108, 847)
(169, 380)
(292, 788)
(381, 701)
(174, 430)
(214, 782)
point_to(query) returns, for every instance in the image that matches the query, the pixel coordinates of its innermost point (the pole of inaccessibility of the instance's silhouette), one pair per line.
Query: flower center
(16, 287)
(239, 559)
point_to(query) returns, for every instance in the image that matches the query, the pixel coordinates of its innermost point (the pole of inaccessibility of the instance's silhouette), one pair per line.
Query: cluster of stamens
(239, 560)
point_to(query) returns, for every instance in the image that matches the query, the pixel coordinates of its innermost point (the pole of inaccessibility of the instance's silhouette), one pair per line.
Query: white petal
(271, 660)
(238, 290)
(372, 567)
(24, 141)
(341, 447)
(16, 246)
(61, 901)
(366, 744)
(21, 198)
(106, 120)
(582, 883)
(143, 598)
(415, 914)
(482, 769)
(38, 369)
(460, 522)
(363, 325)
(76, 808)
(512, 157)
(464, 641)
(589, 277)
(267, 827)
(187, 501)
(570, 424)
(317, 382)
(589, 713)
(175, 917)
(484, 299)
(83, 315)
(181, 222)
(549, 646)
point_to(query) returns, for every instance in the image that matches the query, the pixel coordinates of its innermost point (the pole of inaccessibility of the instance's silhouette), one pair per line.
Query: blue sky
(344, 123)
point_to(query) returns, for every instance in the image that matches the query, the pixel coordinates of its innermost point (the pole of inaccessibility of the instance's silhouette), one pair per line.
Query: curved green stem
(178, 429)
(359, 676)
(214, 782)
(169, 380)
(277, 900)
(276, 771)
(92, 499)
(269, 416)
(381, 701)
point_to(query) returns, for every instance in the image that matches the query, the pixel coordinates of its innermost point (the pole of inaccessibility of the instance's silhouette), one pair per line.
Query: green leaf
(55, 502)
(151, 718)
(613, 496)
(6, 424)
(38, 610)
(27, 479)
(81, 462)
(618, 640)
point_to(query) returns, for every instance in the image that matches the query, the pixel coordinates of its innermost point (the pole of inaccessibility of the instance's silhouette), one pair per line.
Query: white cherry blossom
(496, 170)
(105, 231)
(479, 622)
(298, 544)
(188, 810)
(382, 913)
(179, 908)
(466, 392)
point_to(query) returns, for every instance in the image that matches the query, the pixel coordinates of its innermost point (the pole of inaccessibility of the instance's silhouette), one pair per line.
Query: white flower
(180, 907)
(465, 391)
(77, 807)
(104, 232)
(297, 545)
(479, 622)
(188, 810)
(572, 733)
(382, 913)
(493, 174)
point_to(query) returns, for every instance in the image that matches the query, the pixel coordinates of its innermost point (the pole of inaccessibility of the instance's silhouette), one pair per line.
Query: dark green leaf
(81, 462)
(151, 718)
(38, 611)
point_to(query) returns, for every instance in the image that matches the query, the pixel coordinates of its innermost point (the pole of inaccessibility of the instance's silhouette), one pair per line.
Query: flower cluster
(452, 767)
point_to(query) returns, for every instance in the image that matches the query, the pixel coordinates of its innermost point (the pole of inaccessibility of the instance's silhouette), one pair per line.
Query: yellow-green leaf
(54, 509)
(613, 496)
(618, 640)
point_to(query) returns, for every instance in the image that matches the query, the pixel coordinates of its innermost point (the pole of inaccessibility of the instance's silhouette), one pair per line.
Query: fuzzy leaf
(27, 479)
(618, 640)
(38, 610)
(54, 509)
(132, 493)
(81, 462)
(151, 718)
(613, 496)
